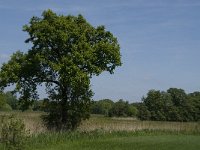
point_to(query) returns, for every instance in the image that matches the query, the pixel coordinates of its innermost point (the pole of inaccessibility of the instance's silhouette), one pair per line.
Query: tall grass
(34, 123)
(117, 124)
(100, 133)
(31, 119)
(115, 140)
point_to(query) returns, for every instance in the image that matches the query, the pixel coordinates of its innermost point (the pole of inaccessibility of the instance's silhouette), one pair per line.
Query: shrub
(13, 133)
(6, 107)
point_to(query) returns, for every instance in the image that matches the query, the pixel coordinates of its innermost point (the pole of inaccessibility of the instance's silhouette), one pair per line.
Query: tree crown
(66, 52)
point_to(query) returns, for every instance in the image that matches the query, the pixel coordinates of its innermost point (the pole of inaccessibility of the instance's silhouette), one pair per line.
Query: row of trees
(171, 105)
(109, 108)
(106, 107)
(9, 102)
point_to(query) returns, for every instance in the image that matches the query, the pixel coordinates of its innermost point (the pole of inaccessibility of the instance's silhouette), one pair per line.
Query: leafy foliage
(11, 100)
(109, 108)
(67, 51)
(173, 105)
(3, 105)
(2, 100)
(102, 107)
(13, 133)
(122, 109)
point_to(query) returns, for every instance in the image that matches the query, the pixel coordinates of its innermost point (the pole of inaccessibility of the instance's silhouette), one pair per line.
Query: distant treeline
(171, 105)
(109, 108)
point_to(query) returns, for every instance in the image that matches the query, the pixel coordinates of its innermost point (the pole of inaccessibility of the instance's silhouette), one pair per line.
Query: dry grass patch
(128, 124)
(34, 123)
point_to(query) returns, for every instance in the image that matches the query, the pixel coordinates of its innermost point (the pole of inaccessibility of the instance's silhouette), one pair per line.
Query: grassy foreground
(121, 140)
(101, 133)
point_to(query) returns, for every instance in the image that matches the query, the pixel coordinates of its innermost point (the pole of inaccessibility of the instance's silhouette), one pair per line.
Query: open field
(101, 133)
(117, 124)
(121, 140)
(128, 142)
(34, 123)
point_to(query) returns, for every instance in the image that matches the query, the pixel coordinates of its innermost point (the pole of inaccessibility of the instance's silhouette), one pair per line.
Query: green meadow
(99, 140)
(103, 133)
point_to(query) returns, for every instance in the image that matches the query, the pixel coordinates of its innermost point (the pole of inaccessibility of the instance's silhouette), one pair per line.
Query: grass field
(34, 123)
(99, 140)
(101, 133)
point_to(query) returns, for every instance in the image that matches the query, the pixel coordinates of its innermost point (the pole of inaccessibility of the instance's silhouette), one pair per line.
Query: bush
(6, 107)
(13, 133)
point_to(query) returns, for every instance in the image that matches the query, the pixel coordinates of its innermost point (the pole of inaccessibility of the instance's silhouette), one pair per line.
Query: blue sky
(160, 40)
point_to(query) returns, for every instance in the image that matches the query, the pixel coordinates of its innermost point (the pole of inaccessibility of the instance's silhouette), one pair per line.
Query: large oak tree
(66, 52)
